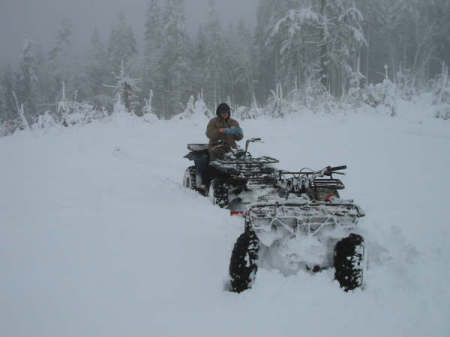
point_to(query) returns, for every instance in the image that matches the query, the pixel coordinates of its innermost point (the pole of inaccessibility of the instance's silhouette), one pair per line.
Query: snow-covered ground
(99, 239)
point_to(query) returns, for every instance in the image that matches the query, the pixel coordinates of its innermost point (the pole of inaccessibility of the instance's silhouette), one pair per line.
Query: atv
(305, 225)
(234, 175)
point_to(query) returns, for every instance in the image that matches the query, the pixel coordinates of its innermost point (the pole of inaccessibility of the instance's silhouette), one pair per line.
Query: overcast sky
(39, 19)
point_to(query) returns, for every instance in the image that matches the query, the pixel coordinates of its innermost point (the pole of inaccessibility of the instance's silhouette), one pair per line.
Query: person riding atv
(223, 132)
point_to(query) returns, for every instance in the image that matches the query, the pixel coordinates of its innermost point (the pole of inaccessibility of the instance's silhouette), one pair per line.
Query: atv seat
(197, 147)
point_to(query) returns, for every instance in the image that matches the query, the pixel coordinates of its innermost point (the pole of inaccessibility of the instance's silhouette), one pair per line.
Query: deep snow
(99, 238)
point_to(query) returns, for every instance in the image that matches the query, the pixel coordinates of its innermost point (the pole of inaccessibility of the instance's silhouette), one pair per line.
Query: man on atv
(223, 132)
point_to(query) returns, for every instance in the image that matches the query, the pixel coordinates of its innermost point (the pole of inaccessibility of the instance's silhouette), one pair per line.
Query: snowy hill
(99, 238)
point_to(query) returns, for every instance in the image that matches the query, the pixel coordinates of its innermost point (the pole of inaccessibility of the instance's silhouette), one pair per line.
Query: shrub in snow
(406, 84)
(441, 95)
(313, 95)
(150, 118)
(4, 131)
(195, 109)
(83, 113)
(277, 102)
(382, 95)
(443, 112)
(44, 121)
(147, 110)
(119, 107)
(102, 102)
(71, 112)
(243, 112)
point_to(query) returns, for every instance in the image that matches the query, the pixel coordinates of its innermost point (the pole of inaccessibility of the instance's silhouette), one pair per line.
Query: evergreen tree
(122, 43)
(240, 68)
(268, 46)
(26, 86)
(173, 63)
(438, 13)
(3, 111)
(98, 72)
(199, 57)
(153, 41)
(405, 36)
(343, 37)
(8, 107)
(61, 67)
(214, 67)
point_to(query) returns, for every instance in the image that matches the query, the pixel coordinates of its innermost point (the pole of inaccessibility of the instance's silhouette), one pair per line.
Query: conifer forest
(297, 49)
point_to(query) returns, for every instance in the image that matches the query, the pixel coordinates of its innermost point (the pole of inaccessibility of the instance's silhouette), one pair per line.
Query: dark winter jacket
(221, 142)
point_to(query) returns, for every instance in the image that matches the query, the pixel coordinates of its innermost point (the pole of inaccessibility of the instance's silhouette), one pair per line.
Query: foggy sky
(39, 20)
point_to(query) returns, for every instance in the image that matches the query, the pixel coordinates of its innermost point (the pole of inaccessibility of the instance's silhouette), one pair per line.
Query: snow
(99, 238)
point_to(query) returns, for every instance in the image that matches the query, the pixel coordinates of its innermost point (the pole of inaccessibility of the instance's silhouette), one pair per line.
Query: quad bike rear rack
(255, 170)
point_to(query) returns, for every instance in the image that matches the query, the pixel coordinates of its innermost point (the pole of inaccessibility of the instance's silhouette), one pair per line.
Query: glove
(234, 130)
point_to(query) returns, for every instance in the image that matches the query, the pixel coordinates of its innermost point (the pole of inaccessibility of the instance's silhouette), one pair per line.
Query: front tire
(243, 263)
(189, 179)
(349, 262)
(218, 193)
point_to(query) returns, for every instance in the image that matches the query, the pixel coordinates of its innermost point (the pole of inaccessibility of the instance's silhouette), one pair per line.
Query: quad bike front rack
(308, 217)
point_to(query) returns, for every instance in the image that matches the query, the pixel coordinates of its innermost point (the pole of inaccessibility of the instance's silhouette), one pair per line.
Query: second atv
(233, 177)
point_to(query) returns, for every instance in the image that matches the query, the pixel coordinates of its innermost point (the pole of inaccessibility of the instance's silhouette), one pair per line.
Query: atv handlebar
(338, 168)
(251, 140)
(330, 170)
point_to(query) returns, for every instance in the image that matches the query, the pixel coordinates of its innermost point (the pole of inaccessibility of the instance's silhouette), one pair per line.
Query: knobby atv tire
(349, 262)
(219, 193)
(189, 179)
(243, 265)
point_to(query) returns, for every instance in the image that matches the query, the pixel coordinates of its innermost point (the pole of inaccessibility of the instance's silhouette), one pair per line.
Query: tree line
(325, 46)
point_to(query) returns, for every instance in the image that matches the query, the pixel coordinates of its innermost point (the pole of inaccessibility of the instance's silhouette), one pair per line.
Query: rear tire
(243, 265)
(349, 262)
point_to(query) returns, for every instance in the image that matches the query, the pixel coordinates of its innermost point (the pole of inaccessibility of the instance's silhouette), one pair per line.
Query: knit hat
(223, 107)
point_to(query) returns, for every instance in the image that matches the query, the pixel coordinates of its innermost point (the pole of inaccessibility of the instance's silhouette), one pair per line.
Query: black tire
(243, 263)
(349, 262)
(219, 193)
(189, 179)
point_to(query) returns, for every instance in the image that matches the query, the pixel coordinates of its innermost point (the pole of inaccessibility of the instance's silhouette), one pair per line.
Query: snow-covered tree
(148, 109)
(125, 91)
(323, 37)
(268, 45)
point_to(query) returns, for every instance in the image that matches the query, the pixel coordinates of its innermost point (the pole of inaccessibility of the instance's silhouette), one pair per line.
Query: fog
(39, 20)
